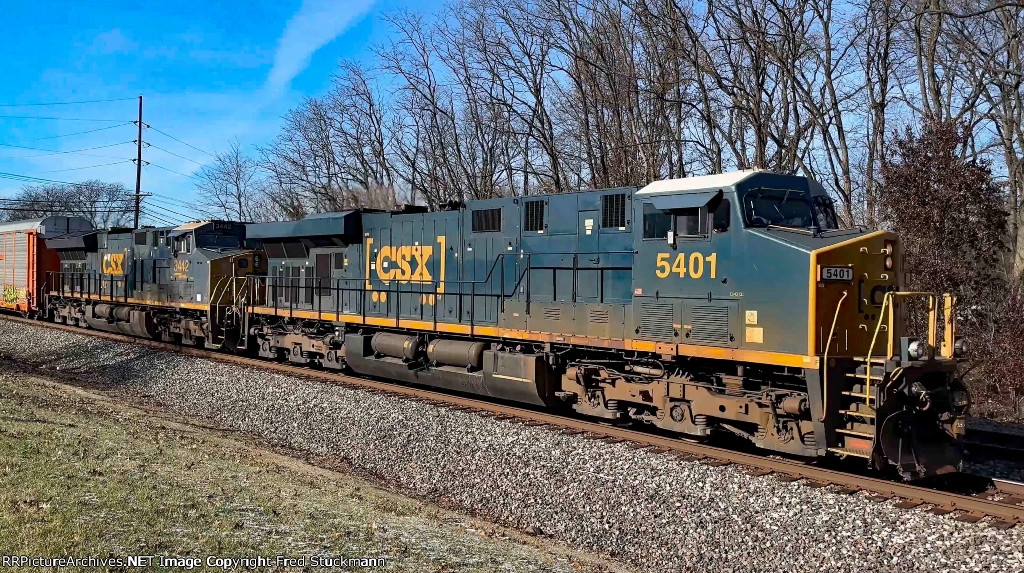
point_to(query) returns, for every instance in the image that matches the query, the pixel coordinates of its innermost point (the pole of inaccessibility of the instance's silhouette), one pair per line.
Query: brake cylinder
(794, 405)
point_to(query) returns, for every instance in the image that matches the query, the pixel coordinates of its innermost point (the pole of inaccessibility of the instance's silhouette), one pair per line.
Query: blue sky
(209, 72)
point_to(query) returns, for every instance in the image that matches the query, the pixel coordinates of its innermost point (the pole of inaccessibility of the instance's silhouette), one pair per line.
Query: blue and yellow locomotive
(730, 302)
(177, 284)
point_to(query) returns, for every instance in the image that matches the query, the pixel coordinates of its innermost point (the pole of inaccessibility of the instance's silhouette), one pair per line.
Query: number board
(844, 274)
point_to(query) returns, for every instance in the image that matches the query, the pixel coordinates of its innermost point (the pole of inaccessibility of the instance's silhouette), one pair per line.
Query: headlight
(960, 347)
(888, 262)
(917, 350)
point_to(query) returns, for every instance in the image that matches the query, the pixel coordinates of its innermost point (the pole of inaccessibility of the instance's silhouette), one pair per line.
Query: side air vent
(598, 316)
(710, 324)
(613, 211)
(656, 321)
(486, 220)
(533, 217)
(551, 313)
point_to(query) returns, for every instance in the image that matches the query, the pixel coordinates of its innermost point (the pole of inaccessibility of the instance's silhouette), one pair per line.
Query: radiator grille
(551, 313)
(656, 321)
(613, 211)
(599, 316)
(533, 218)
(710, 324)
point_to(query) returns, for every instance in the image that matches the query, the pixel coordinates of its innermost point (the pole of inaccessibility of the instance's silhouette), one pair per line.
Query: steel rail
(1006, 512)
(994, 442)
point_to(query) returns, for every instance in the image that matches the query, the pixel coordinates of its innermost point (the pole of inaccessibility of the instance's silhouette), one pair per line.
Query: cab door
(680, 282)
(588, 257)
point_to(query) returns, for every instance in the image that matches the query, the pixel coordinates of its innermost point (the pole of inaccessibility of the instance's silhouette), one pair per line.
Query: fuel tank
(121, 319)
(396, 345)
(511, 376)
(456, 353)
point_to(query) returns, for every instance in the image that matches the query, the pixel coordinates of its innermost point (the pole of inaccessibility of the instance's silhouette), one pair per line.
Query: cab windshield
(788, 208)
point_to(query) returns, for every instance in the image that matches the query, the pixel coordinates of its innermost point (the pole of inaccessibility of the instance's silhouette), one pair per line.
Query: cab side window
(183, 244)
(721, 218)
(657, 223)
(692, 222)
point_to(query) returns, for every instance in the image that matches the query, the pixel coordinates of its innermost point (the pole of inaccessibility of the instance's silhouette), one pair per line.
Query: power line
(166, 213)
(55, 152)
(68, 207)
(55, 201)
(65, 102)
(58, 153)
(48, 153)
(65, 210)
(169, 200)
(151, 164)
(187, 208)
(160, 218)
(60, 118)
(173, 153)
(182, 142)
(169, 211)
(32, 179)
(89, 167)
(84, 132)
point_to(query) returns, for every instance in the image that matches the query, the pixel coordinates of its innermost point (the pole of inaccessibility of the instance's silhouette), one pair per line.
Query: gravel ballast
(649, 511)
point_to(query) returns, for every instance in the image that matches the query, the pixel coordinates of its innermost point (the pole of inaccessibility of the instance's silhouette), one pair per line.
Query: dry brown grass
(81, 474)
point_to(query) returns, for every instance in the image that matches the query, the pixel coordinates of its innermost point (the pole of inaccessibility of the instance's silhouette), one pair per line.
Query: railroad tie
(1002, 525)
(940, 510)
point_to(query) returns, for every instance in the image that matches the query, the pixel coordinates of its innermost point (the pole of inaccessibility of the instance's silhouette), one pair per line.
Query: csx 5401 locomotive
(729, 302)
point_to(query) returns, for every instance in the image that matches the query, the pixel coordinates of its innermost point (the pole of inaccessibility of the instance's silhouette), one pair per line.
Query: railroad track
(994, 444)
(1000, 501)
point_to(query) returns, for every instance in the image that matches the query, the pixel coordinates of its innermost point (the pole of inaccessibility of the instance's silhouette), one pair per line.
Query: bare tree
(105, 204)
(498, 97)
(232, 188)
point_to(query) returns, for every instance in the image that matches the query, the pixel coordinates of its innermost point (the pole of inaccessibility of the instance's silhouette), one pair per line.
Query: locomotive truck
(730, 302)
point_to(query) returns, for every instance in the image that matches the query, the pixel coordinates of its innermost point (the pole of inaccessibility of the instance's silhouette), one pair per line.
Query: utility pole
(138, 170)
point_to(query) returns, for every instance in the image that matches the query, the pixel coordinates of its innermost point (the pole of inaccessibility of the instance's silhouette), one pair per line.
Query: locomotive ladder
(856, 431)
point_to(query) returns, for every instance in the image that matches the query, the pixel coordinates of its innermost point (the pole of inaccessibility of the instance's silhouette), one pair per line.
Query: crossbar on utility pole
(138, 170)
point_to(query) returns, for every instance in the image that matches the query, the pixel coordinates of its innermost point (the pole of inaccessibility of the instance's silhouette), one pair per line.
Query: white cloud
(113, 42)
(315, 24)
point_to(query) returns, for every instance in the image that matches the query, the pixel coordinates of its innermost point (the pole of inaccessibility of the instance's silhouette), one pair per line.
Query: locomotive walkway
(1001, 502)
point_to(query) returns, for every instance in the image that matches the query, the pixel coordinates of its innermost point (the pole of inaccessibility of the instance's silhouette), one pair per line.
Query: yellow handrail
(828, 343)
(888, 304)
(871, 348)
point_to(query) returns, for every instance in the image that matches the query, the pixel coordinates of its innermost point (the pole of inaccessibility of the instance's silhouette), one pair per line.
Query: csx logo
(409, 263)
(397, 263)
(113, 264)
